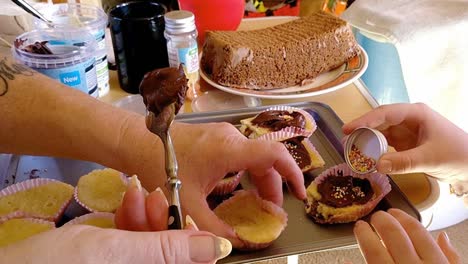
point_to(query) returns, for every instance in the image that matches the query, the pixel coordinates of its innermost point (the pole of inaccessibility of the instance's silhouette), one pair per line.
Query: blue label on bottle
(70, 78)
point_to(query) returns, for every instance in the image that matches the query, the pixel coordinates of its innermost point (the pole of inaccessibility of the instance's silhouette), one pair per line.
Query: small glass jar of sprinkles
(363, 148)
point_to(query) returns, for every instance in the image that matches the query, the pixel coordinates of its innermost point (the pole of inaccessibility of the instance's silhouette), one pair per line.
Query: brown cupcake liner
(292, 132)
(266, 206)
(227, 185)
(81, 219)
(379, 182)
(26, 185)
(124, 179)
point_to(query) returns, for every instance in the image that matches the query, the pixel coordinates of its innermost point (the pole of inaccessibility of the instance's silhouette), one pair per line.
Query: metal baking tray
(300, 236)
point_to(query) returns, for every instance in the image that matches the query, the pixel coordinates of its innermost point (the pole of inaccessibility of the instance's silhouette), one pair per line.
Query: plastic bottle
(181, 35)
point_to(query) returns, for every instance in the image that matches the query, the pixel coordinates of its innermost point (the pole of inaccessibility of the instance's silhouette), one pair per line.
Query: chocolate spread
(342, 191)
(277, 120)
(297, 151)
(36, 48)
(162, 87)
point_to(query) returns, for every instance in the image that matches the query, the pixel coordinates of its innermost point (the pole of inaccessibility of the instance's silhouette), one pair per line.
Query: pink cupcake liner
(379, 182)
(30, 184)
(227, 185)
(81, 219)
(266, 206)
(311, 126)
(292, 132)
(124, 179)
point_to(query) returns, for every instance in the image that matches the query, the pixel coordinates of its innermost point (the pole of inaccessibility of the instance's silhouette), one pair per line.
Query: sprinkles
(359, 161)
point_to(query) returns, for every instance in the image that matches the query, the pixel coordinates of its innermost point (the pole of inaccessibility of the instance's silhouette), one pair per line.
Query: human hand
(207, 152)
(425, 141)
(401, 239)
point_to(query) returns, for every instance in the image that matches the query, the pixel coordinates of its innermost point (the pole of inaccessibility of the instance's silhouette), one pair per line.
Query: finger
(422, 240)
(384, 116)
(369, 243)
(449, 251)
(394, 237)
(269, 186)
(133, 210)
(119, 219)
(157, 210)
(207, 220)
(412, 160)
(275, 155)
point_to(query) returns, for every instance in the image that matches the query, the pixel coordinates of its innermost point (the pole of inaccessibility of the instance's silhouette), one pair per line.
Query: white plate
(324, 83)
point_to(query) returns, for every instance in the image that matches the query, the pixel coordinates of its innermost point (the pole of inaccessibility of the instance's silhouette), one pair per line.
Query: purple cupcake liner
(267, 206)
(379, 182)
(227, 185)
(124, 179)
(30, 184)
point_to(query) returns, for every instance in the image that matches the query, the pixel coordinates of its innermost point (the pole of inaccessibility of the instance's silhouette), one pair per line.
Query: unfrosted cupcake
(338, 195)
(228, 184)
(101, 219)
(299, 146)
(17, 229)
(257, 222)
(101, 190)
(39, 198)
(278, 118)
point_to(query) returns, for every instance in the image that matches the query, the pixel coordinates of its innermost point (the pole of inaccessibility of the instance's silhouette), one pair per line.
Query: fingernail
(135, 182)
(201, 251)
(158, 190)
(385, 166)
(189, 221)
(446, 236)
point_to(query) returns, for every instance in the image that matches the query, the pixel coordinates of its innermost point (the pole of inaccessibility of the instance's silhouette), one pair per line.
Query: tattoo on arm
(8, 71)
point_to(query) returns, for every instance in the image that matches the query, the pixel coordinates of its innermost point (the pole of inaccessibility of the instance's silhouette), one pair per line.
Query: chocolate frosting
(342, 191)
(277, 120)
(298, 151)
(162, 87)
(36, 48)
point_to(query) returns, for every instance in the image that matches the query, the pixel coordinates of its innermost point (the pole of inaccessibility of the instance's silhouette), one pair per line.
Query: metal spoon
(31, 10)
(159, 125)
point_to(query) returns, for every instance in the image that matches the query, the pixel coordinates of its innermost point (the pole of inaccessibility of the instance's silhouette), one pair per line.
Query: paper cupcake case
(124, 179)
(26, 185)
(82, 219)
(379, 182)
(227, 185)
(266, 206)
(311, 126)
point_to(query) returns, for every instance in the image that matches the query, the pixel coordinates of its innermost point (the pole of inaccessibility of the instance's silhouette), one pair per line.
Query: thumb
(449, 251)
(175, 246)
(406, 161)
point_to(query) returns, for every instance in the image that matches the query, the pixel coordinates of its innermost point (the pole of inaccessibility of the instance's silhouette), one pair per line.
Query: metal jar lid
(178, 22)
(363, 148)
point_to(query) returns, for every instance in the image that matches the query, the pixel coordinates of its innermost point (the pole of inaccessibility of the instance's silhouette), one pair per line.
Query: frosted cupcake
(17, 229)
(276, 119)
(103, 220)
(299, 146)
(38, 198)
(257, 222)
(101, 190)
(338, 195)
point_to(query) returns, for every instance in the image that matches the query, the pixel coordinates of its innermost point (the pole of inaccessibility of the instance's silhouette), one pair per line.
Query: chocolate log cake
(281, 56)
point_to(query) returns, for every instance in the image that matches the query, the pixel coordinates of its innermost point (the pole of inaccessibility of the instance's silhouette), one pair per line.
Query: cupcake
(101, 190)
(38, 198)
(257, 222)
(278, 118)
(17, 229)
(299, 146)
(338, 195)
(228, 184)
(103, 220)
